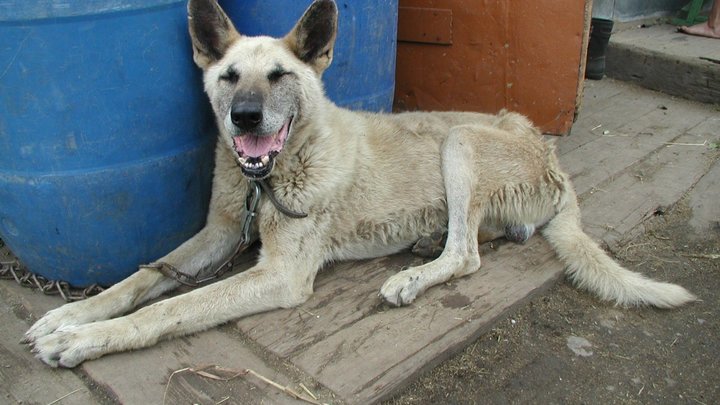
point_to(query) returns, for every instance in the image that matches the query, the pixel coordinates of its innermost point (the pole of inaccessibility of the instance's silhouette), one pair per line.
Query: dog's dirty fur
(371, 184)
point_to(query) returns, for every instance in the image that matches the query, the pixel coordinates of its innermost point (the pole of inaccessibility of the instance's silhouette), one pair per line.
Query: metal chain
(12, 269)
(190, 280)
(252, 202)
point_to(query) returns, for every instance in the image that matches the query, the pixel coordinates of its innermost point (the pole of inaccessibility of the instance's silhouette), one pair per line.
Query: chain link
(12, 269)
(252, 202)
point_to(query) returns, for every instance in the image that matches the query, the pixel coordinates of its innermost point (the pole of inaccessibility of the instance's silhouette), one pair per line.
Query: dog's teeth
(258, 163)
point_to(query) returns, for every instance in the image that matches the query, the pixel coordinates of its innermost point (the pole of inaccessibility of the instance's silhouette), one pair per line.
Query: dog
(340, 185)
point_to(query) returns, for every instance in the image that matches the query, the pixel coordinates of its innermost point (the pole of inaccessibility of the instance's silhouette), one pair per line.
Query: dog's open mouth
(256, 153)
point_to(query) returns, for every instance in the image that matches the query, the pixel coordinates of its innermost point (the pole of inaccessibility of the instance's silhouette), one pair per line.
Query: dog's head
(261, 88)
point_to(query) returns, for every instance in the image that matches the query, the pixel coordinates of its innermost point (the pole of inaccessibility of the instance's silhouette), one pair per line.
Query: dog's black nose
(246, 115)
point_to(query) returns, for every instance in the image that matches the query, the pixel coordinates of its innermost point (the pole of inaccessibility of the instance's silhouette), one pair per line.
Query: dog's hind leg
(460, 256)
(431, 246)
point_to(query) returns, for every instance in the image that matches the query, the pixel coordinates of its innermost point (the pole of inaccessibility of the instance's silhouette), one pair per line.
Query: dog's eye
(276, 74)
(230, 76)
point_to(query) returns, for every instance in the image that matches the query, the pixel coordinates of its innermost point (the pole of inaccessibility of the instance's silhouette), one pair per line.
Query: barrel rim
(37, 10)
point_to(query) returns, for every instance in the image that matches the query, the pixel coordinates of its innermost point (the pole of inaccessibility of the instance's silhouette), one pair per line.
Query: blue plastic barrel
(362, 74)
(106, 139)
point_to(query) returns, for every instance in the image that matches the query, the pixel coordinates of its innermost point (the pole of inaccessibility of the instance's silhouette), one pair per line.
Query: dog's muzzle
(256, 153)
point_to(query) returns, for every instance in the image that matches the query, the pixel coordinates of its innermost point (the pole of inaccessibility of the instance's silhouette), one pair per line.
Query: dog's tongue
(254, 146)
(259, 146)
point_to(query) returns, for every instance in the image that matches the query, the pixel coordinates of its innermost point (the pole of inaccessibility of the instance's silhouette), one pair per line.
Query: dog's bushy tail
(590, 268)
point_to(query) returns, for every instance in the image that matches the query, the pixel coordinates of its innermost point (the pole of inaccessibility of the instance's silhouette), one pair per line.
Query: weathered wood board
(612, 213)
(608, 154)
(373, 346)
(138, 377)
(22, 376)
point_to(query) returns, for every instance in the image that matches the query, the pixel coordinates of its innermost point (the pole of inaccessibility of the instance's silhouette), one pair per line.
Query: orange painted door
(480, 55)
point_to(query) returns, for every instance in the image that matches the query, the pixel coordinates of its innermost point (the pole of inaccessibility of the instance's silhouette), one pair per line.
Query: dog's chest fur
(376, 184)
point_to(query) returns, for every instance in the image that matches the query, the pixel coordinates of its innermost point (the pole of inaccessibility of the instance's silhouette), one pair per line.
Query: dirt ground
(568, 347)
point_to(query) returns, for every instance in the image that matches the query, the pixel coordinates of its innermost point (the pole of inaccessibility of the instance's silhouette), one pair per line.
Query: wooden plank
(25, 379)
(344, 294)
(368, 360)
(658, 181)
(616, 115)
(608, 107)
(327, 341)
(144, 376)
(608, 155)
(598, 96)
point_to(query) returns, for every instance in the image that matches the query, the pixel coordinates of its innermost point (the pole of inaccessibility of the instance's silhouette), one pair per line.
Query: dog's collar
(271, 195)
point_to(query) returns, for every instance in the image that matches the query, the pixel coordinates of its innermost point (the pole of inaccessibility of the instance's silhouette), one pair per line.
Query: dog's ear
(211, 31)
(313, 37)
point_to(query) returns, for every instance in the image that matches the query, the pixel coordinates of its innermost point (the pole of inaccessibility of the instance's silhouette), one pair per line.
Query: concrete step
(660, 58)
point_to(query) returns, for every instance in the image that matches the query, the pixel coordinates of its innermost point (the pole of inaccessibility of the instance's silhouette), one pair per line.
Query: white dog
(337, 185)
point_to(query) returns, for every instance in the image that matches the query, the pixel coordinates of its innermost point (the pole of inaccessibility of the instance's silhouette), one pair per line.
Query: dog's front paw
(402, 288)
(68, 346)
(66, 315)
